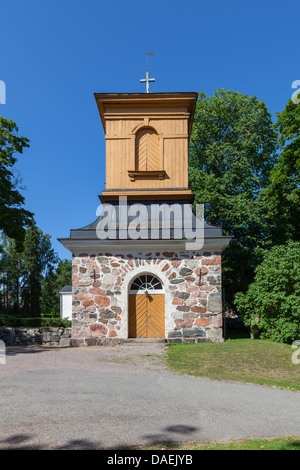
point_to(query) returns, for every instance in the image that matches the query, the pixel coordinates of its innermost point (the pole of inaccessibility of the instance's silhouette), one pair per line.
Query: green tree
(64, 273)
(38, 258)
(13, 216)
(53, 283)
(271, 305)
(10, 263)
(33, 276)
(232, 151)
(281, 198)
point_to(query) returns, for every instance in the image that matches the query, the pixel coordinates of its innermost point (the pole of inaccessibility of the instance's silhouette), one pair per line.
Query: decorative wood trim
(132, 149)
(117, 137)
(106, 101)
(161, 152)
(136, 128)
(170, 115)
(159, 174)
(149, 197)
(148, 190)
(129, 136)
(175, 136)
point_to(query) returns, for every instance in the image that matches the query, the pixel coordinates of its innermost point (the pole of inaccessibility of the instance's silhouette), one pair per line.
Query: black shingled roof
(66, 289)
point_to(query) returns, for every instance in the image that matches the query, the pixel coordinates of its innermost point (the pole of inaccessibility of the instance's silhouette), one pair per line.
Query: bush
(271, 305)
(56, 322)
(14, 322)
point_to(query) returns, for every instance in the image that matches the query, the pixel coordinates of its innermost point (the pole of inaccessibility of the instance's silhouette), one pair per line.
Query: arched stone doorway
(146, 308)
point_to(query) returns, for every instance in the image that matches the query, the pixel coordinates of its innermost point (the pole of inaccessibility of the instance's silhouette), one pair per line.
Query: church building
(137, 270)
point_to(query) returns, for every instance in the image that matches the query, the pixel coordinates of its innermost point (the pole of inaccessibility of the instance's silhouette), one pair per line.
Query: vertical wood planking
(172, 153)
(146, 316)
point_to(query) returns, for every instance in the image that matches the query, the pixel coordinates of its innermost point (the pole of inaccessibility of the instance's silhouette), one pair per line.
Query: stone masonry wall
(28, 336)
(192, 283)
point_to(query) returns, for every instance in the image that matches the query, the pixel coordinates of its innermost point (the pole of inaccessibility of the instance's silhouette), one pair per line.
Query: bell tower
(144, 278)
(147, 138)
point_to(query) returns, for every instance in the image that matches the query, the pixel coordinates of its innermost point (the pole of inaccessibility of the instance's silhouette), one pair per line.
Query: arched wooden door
(146, 308)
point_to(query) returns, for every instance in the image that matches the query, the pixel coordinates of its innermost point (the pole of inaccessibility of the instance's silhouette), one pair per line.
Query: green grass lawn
(247, 360)
(286, 443)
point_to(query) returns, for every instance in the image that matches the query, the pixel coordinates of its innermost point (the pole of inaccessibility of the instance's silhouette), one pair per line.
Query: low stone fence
(27, 336)
(62, 337)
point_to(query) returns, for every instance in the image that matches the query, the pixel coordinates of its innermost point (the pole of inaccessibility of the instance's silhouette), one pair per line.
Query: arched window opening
(146, 283)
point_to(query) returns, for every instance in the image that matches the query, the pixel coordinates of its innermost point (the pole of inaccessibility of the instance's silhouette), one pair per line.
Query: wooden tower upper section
(147, 138)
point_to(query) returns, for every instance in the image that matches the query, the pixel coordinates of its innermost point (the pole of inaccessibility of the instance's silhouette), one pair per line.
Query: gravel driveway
(125, 396)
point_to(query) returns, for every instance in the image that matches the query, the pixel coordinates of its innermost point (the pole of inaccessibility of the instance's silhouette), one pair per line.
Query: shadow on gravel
(22, 441)
(14, 350)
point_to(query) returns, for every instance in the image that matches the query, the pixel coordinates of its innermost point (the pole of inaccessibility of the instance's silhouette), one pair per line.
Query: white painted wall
(66, 305)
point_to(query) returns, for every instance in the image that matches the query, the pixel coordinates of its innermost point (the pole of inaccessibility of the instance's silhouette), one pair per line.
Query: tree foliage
(13, 216)
(38, 258)
(271, 305)
(28, 263)
(53, 283)
(24, 270)
(281, 198)
(232, 151)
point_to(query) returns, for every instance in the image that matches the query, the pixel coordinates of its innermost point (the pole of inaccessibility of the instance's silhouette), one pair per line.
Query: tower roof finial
(147, 79)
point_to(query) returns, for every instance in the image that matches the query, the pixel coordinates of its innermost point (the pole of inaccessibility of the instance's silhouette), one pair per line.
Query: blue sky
(56, 54)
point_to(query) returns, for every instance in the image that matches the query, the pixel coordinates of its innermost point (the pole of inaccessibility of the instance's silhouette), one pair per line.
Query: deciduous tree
(271, 305)
(13, 216)
(232, 151)
(281, 198)
(55, 280)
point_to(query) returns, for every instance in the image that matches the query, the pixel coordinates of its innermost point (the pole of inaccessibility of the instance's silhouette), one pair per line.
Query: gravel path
(146, 358)
(125, 396)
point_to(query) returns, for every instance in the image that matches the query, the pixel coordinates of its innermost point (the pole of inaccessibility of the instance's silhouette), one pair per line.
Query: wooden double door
(146, 316)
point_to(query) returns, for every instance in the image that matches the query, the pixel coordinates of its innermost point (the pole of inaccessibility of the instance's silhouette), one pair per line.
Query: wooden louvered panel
(141, 316)
(132, 317)
(156, 316)
(146, 317)
(137, 307)
(147, 156)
